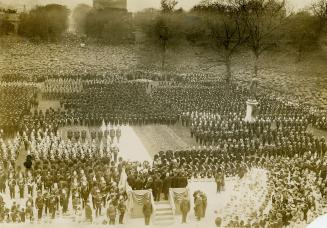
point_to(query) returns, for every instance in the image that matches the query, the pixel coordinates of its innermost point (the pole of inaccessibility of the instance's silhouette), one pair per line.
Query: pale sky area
(133, 5)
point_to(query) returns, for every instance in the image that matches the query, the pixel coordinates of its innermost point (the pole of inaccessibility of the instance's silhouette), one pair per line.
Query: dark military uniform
(39, 203)
(147, 211)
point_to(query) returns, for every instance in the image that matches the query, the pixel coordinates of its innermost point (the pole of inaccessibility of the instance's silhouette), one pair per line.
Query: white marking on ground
(130, 146)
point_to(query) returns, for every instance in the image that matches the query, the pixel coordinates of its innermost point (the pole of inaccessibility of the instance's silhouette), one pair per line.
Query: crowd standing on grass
(79, 174)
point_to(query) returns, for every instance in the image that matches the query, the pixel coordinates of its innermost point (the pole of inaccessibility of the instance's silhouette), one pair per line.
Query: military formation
(118, 103)
(54, 88)
(78, 173)
(14, 105)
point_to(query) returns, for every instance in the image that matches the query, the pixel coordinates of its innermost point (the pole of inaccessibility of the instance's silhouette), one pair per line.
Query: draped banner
(178, 194)
(123, 181)
(136, 201)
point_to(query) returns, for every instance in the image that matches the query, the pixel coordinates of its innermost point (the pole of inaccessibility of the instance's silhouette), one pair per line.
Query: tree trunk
(163, 62)
(228, 68)
(256, 66)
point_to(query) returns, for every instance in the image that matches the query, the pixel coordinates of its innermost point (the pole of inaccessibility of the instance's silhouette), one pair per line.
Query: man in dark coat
(183, 181)
(166, 185)
(185, 207)
(98, 203)
(218, 180)
(121, 209)
(111, 214)
(28, 163)
(147, 211)
(138, 184)
(198, 207)
(12, 187)
(21, 187)
(204, 204)
(157, 188)
(85, 192)
(39, 203)
(52, 206)
(88, 212)
(83, 136)
(131, 181)
(174, 181)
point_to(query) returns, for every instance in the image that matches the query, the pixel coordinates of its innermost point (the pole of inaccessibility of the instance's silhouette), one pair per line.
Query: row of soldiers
(119, 102)
(100, 135)
(53, 88)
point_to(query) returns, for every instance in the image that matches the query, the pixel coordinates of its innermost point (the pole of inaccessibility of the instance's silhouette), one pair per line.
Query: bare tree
(163, 30)
(164, 35)
(168, 6)
(262, 18)
(226, 28)
(319, 8)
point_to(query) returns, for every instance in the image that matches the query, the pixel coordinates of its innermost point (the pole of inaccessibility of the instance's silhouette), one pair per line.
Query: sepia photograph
(163, 113)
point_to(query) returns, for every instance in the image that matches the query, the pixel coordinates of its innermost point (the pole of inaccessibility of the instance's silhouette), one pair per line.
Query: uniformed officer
(185, 208)
(98, 203)
(121, 209)
(147, 211)
(12, 187)
(21, 186)
(39, 203)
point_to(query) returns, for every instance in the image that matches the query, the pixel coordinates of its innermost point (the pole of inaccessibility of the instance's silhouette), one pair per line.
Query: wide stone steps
(163, 214)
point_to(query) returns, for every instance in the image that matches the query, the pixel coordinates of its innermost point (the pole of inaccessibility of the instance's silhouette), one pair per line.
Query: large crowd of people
(76, 173)
(16, 100)
(72, 175)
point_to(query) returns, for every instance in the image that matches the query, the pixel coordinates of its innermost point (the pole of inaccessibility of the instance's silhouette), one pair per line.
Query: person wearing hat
(52, 205)
(29, 208)
(14, 213)
(76, 201)
(218, 179)
(111, 214)
(88, 212)
(12, 187)
(22, 215)
(64, 199)
(147, 211)
(204, 204)
(103, 190)
(85, 192)
(121, 209)
(166, 185)
(98, 203)
(39, 203)
(94, 191)
(198, 207)
(185, 207)
(46, 199)
(157, 188)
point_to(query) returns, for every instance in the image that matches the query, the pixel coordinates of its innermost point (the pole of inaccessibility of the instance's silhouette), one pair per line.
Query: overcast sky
(135, 5)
